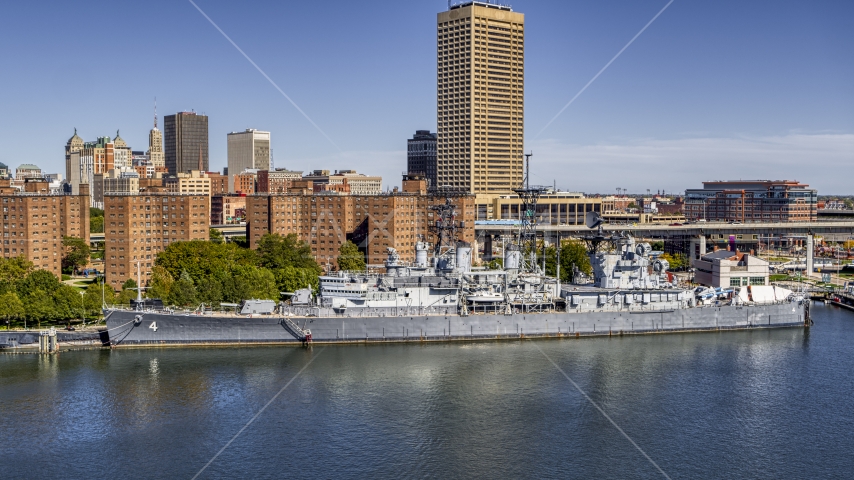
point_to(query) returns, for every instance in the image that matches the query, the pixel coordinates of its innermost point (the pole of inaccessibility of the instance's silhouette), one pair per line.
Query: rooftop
(793, 183)
(454, 4)
(719, 255)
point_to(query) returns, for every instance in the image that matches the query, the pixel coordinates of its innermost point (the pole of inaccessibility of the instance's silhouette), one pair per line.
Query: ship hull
(127, 328)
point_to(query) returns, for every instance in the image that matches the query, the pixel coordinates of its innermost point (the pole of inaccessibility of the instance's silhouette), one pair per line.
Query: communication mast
(527, 236)
(444, 226)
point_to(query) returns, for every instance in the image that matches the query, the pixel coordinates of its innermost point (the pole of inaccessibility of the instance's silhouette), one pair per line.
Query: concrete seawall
(29, 339)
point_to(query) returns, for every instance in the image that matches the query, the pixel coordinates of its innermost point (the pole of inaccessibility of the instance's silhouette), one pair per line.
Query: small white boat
(485, 296)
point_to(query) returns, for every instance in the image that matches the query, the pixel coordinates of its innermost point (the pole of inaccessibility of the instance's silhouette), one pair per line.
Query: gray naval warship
(442, 297)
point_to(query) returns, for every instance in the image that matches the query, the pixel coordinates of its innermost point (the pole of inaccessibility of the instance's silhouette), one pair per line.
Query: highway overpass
(832, 229)
(228, 231)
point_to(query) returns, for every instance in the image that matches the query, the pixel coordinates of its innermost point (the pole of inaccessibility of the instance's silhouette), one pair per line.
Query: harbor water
(740, 404)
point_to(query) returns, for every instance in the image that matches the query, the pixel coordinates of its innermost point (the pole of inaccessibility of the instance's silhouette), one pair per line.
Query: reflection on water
(760, 404)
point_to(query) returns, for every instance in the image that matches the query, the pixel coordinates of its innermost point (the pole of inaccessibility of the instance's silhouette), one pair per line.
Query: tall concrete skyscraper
(480, 97)
(155, 144)
(186, 135)
(248, 149)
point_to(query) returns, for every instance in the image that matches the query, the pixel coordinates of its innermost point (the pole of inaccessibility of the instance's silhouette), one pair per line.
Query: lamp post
(83, 308)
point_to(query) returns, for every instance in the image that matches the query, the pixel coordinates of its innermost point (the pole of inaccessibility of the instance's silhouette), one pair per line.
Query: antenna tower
(527, 236)
(444, 226)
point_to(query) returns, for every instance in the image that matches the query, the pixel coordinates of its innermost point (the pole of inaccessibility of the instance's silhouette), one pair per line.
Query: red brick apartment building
(34, 222)
(374, 222)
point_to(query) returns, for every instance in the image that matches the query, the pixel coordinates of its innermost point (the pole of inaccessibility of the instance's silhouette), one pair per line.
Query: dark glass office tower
(186, 139)
(421, 156)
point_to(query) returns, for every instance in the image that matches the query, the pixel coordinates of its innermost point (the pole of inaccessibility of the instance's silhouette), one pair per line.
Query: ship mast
(526, 238)
(444, 227)
(444, 224)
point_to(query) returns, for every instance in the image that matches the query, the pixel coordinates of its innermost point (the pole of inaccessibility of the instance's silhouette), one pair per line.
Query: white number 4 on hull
(153, 326)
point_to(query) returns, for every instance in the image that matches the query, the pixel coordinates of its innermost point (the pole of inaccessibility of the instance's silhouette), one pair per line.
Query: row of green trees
(188, 273)
(185, 274)
(31, 298)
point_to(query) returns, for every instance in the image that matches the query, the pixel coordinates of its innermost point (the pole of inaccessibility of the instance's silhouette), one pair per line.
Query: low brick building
(752, 201)
(277, 181)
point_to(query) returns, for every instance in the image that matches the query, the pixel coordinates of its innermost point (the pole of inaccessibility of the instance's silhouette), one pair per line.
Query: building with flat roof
(228, 209)
(359, 183)
(139, 226)
(421, 156)
(35, 220)
(194, 182)
(245, 182)
(752, 201)
(117, 180)
(185, 145)
(553, 208)
(219, 183)
(724, 269)
(249, 149)
(279, 180)
(480, 97)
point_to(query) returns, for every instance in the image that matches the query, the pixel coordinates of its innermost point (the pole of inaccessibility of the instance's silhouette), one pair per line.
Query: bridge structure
(691, 239)
(228, 232)
(231, 231)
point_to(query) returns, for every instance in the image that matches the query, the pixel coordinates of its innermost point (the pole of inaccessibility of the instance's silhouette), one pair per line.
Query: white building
(194, 181)
(122, 153)
(155, 144)
(248, 150)
(54, 182)
(114, 181)
(726, 269)
(28, 170)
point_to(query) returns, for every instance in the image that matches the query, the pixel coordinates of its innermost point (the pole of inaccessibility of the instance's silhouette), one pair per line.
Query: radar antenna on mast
(594, 221)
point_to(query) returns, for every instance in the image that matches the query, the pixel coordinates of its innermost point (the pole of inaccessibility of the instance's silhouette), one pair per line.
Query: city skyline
(707, 92)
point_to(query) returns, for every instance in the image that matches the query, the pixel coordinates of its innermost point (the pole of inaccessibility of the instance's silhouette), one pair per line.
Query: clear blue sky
(712, 90)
